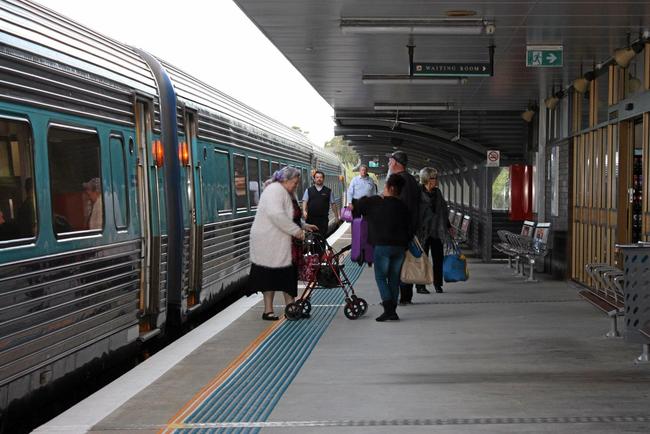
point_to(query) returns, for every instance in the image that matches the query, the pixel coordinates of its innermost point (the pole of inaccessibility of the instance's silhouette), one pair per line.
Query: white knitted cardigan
(273, 227)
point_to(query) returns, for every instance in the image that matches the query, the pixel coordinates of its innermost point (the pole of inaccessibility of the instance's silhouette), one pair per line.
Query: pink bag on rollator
(362, 251)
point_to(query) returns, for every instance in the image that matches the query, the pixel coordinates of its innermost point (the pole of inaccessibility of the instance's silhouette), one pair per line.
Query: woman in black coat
(435, 227)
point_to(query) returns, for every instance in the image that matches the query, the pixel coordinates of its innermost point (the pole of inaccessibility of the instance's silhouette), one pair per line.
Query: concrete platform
(490, 355)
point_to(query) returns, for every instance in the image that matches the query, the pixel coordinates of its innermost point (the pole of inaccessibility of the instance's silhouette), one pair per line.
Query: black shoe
(389, 312)
(439, 289)
(269, 316)
(405, 302)
(423, 290)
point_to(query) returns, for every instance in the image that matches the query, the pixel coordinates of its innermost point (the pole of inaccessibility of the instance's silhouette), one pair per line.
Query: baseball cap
(93, 185)
(400, 157)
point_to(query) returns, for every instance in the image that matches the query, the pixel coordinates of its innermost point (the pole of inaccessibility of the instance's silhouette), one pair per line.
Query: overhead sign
(421, 69)
(373, 163)
(544, 56)
(493, 158)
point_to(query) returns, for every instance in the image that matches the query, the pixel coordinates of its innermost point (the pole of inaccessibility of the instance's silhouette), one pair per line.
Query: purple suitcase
(362, 251)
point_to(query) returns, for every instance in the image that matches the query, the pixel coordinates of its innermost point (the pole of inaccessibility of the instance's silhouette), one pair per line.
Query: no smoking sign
(493, 158)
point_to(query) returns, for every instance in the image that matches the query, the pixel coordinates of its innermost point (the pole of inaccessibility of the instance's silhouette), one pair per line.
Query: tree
(342, 149)
(300, 130)
(346, 154)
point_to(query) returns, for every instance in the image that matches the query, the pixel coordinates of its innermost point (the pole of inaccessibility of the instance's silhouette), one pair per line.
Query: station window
(475, 193)
(75, 180)
(18, 217)
(119, 181)
(223, 186)
(501, 190)
(465, 191)
(602, 92)
(253, 182)
(452, 191)
(241, 200)
(634, 76)
(459, 192)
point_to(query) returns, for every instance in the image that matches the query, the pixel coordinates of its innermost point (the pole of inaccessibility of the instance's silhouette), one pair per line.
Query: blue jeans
(388, 264)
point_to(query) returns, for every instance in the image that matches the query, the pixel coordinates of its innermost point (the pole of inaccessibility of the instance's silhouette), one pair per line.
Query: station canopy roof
(335, 44)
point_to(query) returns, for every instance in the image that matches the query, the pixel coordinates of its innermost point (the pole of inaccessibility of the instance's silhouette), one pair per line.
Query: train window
(223, 187)
(274, 166)
(253, 182)
(18, 217)
(305, 181)
(75, 180)
(241, 200)
(265, 171)
(118, 180)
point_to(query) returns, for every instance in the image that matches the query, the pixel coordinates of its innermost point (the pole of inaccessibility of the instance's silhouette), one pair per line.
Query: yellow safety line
(176, 421)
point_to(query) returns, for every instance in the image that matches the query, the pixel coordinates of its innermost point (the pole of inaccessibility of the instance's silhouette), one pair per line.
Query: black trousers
(321, 222)
(432, 247)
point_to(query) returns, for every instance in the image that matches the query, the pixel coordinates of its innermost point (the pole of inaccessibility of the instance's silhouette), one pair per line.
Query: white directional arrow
(551, 58)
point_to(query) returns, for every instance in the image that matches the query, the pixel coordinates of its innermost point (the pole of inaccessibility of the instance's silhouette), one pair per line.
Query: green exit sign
(544, 56)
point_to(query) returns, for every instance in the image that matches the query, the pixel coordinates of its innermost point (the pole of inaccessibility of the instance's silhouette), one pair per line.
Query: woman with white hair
(271, 238)
(435, 226)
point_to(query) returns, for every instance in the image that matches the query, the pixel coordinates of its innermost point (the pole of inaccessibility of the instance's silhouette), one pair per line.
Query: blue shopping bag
(454, 266)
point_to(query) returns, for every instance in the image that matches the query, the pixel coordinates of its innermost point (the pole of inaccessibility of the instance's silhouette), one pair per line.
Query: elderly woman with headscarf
(434, 225)
(271, 238)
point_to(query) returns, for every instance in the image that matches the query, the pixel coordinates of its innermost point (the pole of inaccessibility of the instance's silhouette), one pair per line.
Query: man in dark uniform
(410, 195)
(316, 203)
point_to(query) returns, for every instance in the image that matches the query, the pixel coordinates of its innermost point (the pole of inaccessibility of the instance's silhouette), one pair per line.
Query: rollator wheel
(293, 311)
(305, 306)
(351, 311)
(362, 305)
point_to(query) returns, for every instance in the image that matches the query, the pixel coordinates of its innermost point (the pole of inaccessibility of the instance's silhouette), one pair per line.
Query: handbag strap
(416, 241)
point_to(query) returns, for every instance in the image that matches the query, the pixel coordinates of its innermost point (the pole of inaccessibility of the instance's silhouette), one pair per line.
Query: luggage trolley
(319, 266)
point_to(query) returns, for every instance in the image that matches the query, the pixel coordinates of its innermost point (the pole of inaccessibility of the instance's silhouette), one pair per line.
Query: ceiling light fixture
(407, 79)
(412, 106)
(551, 102)
(418, 26)
(623, 56)
(528, 115)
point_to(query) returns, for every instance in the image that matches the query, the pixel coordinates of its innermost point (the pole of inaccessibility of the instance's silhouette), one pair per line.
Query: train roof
(61, 43)
(36, 29)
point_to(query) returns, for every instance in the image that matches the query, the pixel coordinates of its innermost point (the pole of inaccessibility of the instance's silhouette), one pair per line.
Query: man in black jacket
(316, 203)
(411, 196)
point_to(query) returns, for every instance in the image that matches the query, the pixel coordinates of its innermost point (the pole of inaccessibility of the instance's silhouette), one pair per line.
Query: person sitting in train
(271, 235)
(316, 203)
(388, 233)
(95, 210)
(8, 230)
(26, 215)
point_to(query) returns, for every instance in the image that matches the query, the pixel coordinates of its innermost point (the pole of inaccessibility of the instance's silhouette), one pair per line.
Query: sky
(215, 42)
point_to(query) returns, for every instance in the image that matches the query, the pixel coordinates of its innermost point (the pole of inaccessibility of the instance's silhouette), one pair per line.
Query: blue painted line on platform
(253, 390)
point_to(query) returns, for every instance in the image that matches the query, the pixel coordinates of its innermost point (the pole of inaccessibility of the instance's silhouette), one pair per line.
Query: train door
(151, 306)
(630, 186)
(191, 180)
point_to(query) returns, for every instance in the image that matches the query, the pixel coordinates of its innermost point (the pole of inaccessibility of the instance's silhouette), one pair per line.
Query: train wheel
(293, 311)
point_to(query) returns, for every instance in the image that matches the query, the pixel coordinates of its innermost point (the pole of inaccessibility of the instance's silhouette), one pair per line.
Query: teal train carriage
(127, 191)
